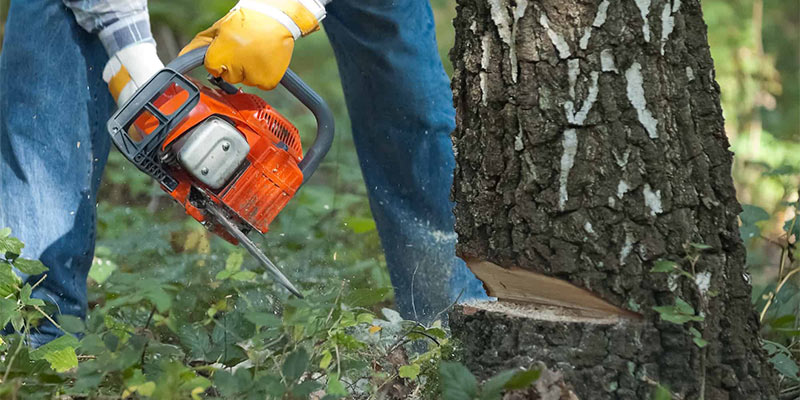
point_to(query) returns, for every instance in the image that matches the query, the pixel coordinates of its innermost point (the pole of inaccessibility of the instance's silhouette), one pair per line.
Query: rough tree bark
(589, 145)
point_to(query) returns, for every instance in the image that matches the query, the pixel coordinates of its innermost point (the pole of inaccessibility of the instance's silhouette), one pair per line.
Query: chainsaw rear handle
(325, 125)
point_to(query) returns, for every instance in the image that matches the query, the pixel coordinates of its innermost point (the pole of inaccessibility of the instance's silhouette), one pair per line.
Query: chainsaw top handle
(144, 153)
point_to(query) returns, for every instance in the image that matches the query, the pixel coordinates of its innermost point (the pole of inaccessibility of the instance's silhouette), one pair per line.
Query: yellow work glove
(129, 69)
(253, 44)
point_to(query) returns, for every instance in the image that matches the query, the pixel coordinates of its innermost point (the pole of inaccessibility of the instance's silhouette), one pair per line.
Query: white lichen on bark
(570, 145)
(622, 188)
(652, 199)
(519, 12)
(703, 282)
(667, 25)
(518, 145)
(644, 9)
(558, 41)
(627, 248)
(588, 228)
(486, 58)
(573, 69)
(507, 28)
(599, 20)
(637, 99)
(689, 73)
(607, 63)
(579, 117)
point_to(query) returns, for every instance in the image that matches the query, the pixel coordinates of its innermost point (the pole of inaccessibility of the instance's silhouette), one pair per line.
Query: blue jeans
(53, 145)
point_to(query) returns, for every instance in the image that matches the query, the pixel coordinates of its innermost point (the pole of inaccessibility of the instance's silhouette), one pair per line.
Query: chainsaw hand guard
(144, 153)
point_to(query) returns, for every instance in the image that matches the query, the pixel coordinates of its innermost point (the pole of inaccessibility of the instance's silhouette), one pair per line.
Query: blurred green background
(327, 232)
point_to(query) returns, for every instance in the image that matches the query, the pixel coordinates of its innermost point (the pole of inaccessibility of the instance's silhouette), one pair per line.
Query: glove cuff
(300, 17)
(130, 68)
(127, 31)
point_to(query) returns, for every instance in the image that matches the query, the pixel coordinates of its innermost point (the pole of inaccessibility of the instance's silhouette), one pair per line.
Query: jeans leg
(401, 108)
(53, 147)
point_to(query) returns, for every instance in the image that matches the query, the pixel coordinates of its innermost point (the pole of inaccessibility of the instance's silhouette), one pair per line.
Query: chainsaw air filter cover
(212, 152)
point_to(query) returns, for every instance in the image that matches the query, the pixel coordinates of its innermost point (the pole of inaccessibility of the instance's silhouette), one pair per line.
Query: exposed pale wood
(523, 286)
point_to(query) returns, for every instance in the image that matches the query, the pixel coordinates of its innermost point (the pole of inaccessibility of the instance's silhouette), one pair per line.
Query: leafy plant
(458, 383)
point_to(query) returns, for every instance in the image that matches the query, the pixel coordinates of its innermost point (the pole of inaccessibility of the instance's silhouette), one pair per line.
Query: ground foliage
(176, 313)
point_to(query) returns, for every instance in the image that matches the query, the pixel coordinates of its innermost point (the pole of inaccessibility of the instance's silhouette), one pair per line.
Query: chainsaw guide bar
(230, 227)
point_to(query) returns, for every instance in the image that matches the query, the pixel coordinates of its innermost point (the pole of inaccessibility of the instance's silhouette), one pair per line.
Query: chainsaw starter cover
(212, 151)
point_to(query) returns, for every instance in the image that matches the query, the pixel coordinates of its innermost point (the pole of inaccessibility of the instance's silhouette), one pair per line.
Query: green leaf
(62, 360)
(272, 385)
(365, 318)
(11, 245)
(160, 298)
(9, 281)
(29, 267)
(5, 232)
(700, 246)
(295, 365)
(698, 338)
(25, 297)
(457, 382)
(244, 276)
(360, 224)
(335, 387)
(782, 170)
(326, 360)
(493, 388)
(785, 321)
(101, 270)
(786, 366)
(223, 275)
(792, 227)
(304, 390)
(664, 266)
(683, 306)
(263, 319)
(662, 393)
(680, 313)
(410, 371)
(523, 379)
(60, 343)
(8, 308)
(71, 323)
(232, 384)
(196, 340)
(750, 216)
(234, 261)
(700, 342)
(366, 297)
(781, 359)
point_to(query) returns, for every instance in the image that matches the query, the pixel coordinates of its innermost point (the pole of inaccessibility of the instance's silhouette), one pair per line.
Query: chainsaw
(226, 156)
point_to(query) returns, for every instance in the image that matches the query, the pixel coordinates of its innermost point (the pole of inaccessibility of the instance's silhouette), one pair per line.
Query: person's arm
(123, 27)
(253, 43)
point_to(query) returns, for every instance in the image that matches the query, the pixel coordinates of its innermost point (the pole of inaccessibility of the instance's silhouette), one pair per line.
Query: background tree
(591, 148)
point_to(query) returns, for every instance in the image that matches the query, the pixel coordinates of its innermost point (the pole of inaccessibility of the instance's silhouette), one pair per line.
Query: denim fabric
(401, 108)
(53, 144)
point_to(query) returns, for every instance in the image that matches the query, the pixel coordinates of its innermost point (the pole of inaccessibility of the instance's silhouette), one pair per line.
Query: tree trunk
(589, 146)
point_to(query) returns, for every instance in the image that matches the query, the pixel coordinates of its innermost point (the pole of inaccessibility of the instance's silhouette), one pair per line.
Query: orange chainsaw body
(268, 179)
